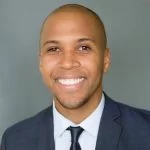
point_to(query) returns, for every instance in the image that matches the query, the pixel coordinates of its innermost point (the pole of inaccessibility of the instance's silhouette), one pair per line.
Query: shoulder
(28, 126)
(131, 117)
(134, 114)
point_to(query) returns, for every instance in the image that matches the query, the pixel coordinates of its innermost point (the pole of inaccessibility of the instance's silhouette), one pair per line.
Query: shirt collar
(90, 124)
(60, 122)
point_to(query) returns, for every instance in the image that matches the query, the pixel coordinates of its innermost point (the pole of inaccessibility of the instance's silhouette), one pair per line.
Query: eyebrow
(86, 39)
(50, 42)
(79, 40)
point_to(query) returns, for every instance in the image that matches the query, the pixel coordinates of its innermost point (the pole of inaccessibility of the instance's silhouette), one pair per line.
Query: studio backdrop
(22, 93)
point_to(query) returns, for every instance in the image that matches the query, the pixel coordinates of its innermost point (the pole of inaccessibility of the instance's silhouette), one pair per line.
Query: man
(73, 58)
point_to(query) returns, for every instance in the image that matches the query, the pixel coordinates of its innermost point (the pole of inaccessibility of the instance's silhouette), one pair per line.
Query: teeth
(70, 81)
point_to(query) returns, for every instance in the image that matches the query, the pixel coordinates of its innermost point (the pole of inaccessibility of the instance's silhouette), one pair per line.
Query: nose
(69, 60)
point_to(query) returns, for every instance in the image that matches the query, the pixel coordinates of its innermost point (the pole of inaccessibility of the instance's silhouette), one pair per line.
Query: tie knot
(75, 133)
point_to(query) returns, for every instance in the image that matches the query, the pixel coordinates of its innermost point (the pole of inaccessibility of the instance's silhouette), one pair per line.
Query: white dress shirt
(87, 139)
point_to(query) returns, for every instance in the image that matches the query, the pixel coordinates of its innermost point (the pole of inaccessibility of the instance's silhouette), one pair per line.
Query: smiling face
(73, 59)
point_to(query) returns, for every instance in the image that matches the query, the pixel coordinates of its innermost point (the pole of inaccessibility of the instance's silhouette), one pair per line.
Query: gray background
(22, 93)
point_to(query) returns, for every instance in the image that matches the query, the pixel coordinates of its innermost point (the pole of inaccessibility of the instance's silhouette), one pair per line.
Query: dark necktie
(75, 133)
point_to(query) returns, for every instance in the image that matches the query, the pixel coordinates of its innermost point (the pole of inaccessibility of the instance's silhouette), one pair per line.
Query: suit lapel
(45, 133)
(110, 128)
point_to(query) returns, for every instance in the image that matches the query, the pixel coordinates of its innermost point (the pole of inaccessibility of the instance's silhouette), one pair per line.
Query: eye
(53, 50)
(84, 48)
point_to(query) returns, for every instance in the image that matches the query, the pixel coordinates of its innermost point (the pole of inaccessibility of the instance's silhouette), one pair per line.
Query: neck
(77, 115)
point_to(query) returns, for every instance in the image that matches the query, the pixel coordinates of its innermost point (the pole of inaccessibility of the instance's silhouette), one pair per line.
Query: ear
(107, 59)
(40, 61)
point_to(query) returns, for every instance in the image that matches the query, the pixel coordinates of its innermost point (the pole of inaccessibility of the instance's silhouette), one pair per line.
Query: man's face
(72, 60)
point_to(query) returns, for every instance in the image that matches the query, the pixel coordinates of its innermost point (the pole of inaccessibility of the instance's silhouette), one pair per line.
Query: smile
(70, 81)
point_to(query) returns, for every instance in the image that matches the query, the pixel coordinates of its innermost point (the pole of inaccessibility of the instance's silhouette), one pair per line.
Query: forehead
(70, 24)
(71, 12)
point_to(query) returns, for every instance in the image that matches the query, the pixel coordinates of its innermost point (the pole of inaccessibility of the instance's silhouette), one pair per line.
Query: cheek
(47, 66)
(94, 65)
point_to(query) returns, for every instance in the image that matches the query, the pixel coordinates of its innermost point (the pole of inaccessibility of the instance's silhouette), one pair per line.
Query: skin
(72, 46)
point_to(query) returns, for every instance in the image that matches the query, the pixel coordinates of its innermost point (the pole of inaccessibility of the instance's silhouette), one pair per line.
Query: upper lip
(78, 77)
(76, 74)
(69, 77)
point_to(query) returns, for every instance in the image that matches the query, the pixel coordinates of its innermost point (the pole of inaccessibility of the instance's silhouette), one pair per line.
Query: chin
(71, 103)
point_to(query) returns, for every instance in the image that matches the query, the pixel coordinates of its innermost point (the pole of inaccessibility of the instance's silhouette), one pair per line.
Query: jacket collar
(110, 127)
(45, 133)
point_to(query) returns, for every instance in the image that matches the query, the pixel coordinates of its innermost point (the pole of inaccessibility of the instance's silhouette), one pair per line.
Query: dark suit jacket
(122, 128)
